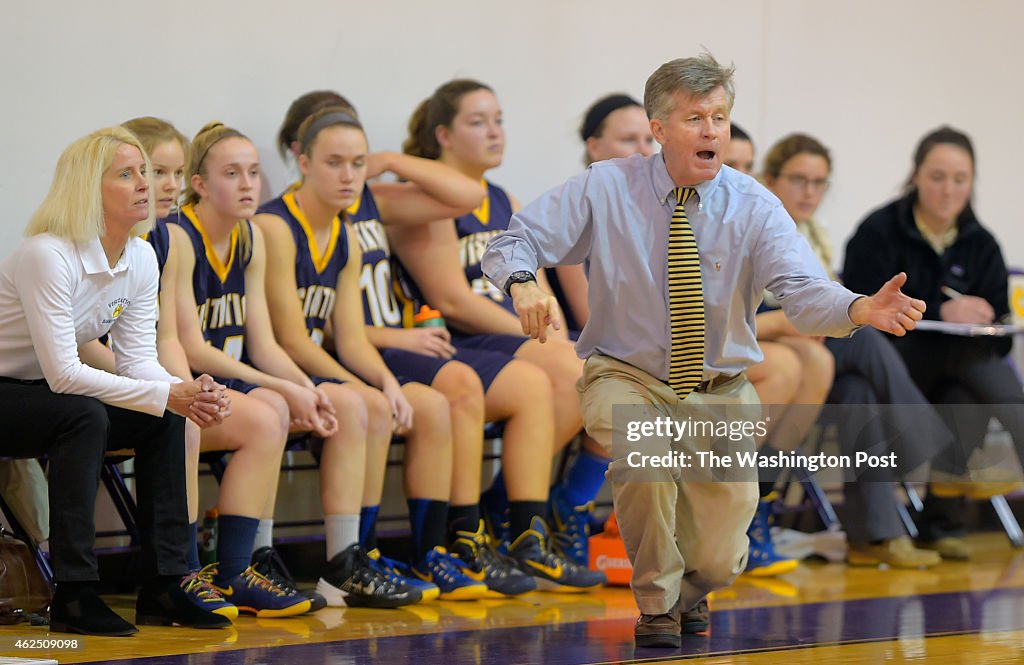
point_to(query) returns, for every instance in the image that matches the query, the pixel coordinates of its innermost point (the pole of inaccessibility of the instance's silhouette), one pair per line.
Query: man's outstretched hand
(890, 310)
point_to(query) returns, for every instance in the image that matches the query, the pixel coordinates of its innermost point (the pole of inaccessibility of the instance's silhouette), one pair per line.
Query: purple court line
(734, 631)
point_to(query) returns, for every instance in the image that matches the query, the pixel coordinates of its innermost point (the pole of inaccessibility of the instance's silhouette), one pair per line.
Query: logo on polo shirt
(117, 308)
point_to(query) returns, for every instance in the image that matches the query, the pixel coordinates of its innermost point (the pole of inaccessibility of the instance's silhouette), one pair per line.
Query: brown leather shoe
(695, 619)
(659, 630)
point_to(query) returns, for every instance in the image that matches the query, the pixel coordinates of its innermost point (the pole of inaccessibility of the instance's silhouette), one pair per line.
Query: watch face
(519, 277)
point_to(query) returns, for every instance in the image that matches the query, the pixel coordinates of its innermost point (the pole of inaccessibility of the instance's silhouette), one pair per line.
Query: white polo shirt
(55, 295)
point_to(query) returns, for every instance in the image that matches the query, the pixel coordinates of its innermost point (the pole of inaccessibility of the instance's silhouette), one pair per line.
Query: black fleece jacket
(888, 242)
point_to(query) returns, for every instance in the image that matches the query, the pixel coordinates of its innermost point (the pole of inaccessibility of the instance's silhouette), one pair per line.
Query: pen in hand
(951, 293)
(973, 309)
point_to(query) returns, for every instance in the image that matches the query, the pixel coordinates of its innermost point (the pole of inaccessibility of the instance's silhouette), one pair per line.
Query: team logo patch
(117, 308)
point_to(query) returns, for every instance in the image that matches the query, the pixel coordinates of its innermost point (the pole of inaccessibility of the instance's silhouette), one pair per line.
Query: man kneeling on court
(674, 329)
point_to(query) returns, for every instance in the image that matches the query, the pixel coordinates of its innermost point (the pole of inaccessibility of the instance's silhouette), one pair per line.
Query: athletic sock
(463, 518)
(192, 555)
(340, 532)
(521, 514)
(264, 535)
(235, 536)
(585, 478)
(368, 527)
(427, 519)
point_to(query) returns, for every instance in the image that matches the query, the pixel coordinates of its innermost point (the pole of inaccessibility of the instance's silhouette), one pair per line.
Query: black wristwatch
(519, 277)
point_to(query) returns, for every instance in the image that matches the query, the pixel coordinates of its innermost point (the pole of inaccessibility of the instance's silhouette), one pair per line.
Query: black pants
(870, 499)
(879, 409)
(913, 429)
(969, 373)
(74, 432)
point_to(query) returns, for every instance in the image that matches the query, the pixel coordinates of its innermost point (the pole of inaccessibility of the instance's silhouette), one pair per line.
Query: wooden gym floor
(969, 613)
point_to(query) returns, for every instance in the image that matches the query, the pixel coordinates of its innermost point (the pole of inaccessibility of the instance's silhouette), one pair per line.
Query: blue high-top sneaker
(552, 571)
(571, 536)
(762, 560)
(483, 563)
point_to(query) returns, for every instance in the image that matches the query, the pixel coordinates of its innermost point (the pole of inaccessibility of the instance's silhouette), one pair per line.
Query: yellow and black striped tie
(685, 301)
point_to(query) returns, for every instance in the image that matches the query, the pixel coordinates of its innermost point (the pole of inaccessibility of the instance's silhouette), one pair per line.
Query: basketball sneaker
(762, 559)
(571, 535)
(552, 571)
(449, 574)
(399, 573)
(482, 563)
(268, 563)
(253, 593)
(198, 586)
(351, 580)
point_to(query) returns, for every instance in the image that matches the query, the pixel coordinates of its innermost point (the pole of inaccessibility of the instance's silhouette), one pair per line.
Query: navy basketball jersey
(475, 230)
(160, 239)
(219, 287)
(316, 271)
(385, 302)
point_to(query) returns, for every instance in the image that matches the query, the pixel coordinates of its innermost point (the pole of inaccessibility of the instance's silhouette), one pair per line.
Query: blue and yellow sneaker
(552, 572)
(352, 580)
(448, 573)
(762, 559)
(399, 573)
(255, 594)
(571, 535)
(482, 563)
(268, 563)
(198, 586)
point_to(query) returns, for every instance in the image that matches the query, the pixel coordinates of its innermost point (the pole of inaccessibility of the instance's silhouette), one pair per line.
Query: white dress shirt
(56, 294)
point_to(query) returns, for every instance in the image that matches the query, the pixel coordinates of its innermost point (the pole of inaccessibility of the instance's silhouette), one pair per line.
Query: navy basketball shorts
(506, 344)
(237, 385)
(317, 380)
(422, 368)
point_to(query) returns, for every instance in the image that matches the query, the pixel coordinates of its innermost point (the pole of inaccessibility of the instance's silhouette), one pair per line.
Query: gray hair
(697, 76)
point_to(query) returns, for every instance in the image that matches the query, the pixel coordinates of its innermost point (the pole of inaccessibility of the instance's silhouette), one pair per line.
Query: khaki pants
(684, 539)
(24, 488)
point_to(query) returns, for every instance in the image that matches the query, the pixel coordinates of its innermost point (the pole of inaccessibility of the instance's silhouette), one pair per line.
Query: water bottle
(208, 538)
(428, 318)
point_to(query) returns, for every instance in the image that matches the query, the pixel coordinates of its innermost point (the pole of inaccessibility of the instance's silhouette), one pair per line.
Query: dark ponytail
(433, 112)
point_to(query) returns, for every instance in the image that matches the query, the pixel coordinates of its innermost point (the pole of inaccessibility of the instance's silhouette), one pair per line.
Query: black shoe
(164, 603)
(85, 613)
(268, 563)
(352, 580)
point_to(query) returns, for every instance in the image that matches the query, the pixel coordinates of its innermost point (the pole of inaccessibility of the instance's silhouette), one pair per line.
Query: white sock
(264, 535)
(341, 531)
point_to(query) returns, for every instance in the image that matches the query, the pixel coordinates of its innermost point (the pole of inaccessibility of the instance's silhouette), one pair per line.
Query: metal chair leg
(913, 497)
(813, 490)
(1008, 520)
(22, 534)
(908, 520)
